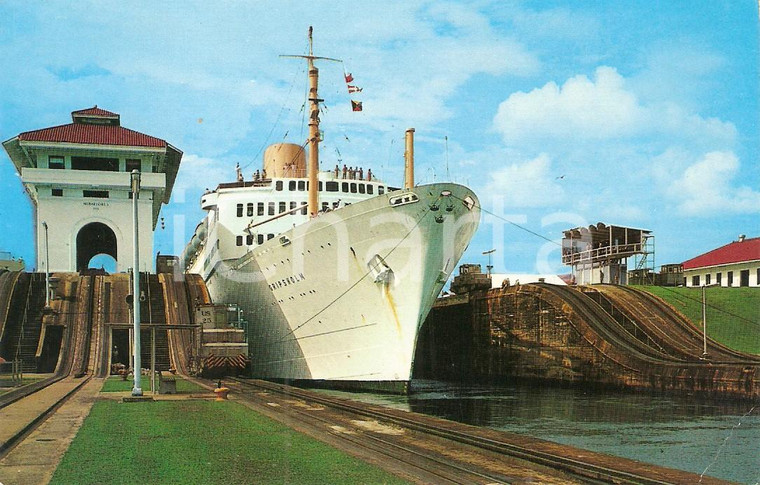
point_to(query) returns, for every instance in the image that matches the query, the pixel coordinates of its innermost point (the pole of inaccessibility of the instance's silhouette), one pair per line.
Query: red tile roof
(94, 111)
(735, 252)
(93, 135)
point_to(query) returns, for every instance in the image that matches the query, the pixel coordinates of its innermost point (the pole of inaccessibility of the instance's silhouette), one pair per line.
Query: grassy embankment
(200, 441)
(733, 314)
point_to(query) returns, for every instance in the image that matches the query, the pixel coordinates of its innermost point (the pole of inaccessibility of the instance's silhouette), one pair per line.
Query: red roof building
(735, 264)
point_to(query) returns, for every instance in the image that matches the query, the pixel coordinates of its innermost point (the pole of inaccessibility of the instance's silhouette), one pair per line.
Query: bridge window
(353, 187)
(278, 185)
(240, 210)
(249, 209)
(56, 163)
(292, 185)
(370, 189)
(380, 189)
(95, 163)
(301, 185)
(344, 187)
(361, 188)
(332, 186)
(260, 209)
(95, 194)
(133, 164)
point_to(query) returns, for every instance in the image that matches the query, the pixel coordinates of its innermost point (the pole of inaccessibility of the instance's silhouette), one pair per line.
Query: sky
(557, 114)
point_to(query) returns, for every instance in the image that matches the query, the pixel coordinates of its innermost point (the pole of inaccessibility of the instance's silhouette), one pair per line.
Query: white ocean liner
(336, 285)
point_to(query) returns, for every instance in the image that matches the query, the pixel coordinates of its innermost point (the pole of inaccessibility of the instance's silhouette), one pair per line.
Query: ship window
(303, 208)
(283, 207)
(57, 192)
(260, 209)
(332, 186)
(133, 164)
(361, 188)
(344, 186)
(320, 186)
(370, 189)
(325, 206)
(96, 194)
(249, 209)
(278, 185)
(380, 189)
(239, 240)
(270, 210)
(56, 163)
(249, 239)
(292, 185)
(293, 204)
(335, 206)
(353, 187)
(240, 210)
(301, 185)
(260, 238)
(269, 236)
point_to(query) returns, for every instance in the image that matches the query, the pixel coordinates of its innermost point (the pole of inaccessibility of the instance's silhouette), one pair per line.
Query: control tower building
(78, 177)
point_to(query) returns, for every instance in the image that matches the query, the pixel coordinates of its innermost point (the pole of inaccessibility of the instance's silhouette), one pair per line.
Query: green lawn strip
(116, 384)
(733, 314)
(197, 441)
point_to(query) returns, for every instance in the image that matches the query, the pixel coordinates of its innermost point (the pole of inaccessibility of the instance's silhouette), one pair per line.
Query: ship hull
(338, 301)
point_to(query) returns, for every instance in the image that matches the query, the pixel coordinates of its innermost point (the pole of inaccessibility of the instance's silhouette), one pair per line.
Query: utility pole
(135, 186)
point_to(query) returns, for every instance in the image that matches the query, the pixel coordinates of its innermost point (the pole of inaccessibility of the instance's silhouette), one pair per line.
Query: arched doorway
(94, 239)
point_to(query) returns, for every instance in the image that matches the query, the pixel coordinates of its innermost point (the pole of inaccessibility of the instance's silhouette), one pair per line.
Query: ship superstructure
(334, 270)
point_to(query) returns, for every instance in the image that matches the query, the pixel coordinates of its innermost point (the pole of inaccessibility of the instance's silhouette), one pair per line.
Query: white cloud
(706, 188)
(199, 173)
(527, 184)
(603, 108)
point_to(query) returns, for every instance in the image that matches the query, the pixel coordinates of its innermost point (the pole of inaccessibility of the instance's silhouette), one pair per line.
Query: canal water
(711, 438)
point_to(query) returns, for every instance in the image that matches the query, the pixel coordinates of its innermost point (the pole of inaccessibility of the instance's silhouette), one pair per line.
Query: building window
(249, 239)
(707, 279)
(271, 209)
(133, 165)
(718, 278)
(239, 240)
(260, 209)
(249, 209)
(95, 163)
(56, 163)
(730, 277)
(57, 192)
(695, 280)
(95, 194)
(332, 186)
(278, 185)
(283, 207)
(240, 210)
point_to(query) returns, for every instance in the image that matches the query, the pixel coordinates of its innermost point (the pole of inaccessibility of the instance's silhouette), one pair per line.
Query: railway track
(470, 454)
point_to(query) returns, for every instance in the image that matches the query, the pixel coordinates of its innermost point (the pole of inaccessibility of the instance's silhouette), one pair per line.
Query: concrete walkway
(35, 459)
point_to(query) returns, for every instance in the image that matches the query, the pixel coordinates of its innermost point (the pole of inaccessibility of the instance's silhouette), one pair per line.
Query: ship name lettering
(290, 280)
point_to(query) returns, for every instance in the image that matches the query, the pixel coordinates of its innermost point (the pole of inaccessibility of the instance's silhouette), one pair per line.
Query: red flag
(354, 89)
(349, 77)
(356, 105)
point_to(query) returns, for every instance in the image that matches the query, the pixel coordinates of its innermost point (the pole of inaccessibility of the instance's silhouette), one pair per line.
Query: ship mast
(313, 141)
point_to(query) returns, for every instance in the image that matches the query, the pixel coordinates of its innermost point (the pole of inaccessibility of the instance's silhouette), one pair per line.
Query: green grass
(116, 384)
(733, 314)
(198, 441)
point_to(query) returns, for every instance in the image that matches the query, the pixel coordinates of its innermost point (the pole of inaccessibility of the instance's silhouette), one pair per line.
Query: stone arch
(93, 239)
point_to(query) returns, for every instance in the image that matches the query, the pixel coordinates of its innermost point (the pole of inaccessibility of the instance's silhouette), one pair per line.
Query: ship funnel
(285, 160)
(409, 160)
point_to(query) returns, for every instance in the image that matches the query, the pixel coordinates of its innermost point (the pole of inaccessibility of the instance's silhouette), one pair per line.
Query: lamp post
(704, 323)
(47, 266)
(490, 266)
(135, 186)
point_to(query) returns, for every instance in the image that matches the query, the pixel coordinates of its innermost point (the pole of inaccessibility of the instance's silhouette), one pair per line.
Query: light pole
(47, 266)
(704, 323)
(490, 266)
(135, 186)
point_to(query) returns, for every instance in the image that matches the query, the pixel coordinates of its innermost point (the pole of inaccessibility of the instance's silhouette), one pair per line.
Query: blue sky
(557, 114)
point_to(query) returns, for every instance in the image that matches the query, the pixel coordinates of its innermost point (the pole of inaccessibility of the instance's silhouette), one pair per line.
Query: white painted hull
(318, 312)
